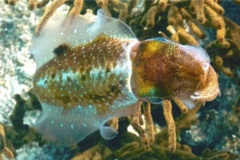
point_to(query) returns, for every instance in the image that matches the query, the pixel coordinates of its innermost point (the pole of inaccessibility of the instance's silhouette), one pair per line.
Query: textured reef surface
(211, 131)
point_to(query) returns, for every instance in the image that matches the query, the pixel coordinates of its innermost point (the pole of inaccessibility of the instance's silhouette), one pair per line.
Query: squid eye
(61, 49)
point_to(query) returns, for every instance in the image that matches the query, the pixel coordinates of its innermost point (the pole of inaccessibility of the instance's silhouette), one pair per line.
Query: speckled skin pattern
(88, 75)
(164, 69)
(91, 71)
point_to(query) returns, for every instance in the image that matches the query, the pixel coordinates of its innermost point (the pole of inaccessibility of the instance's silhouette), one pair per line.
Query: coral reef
(125, 146)
(186, 22)
(200, 22)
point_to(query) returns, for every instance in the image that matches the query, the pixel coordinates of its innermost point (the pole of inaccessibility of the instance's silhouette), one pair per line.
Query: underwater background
(211, 133)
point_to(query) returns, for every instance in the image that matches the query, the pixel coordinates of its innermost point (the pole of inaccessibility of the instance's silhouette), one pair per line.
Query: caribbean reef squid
(91, 70)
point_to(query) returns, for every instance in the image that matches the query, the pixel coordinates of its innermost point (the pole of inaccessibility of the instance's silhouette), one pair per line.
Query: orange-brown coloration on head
(163, 70)
(83, 74)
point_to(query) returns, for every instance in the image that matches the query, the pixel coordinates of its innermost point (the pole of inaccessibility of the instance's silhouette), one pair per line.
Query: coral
(76, 8)
(21, 107)
(130, 147)
(136, 121)
(186, 22)
(227, 59)
(184, 15)
(236, 107)
(218, 155)
(20, 134)
(167, 107)
(181, 15)
(3, 145)
(96, 152)
(124, 146)
(48, 13)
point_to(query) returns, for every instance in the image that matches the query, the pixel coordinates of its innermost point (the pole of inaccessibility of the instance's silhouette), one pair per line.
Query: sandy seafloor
(17, 67)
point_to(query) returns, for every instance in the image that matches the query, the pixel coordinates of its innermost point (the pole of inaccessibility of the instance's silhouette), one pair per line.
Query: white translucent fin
(82, 30)
(66, 127)
(110, 26)
(108, 133)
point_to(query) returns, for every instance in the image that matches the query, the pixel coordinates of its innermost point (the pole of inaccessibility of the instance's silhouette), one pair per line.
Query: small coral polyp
(92, 70)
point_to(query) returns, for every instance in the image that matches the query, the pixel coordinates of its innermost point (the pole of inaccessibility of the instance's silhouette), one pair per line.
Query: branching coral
(97, 152)
(125, 146)
(219, 155)
(136, 121)
(186, 18)
(185, 15)
(3, 145)
(131, 148)
(167, 107)
(227, 59)
(185, 21)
